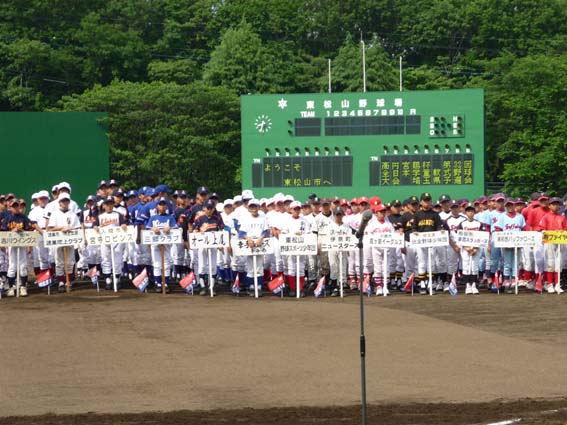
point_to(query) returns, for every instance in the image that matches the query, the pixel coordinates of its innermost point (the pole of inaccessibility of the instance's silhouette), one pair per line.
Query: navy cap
(214, 195)
(413, 200)
(102, 183)
(396, 203)
(202, 190)
(209, 204)
(113, 182)
(162, 188)
(444, 198)
(183, 194)
(425, 196)
(109, 200)
(118, 192)
(555, 200)
(338, 211)
(162, 200)
(91, 198)
(131, 194)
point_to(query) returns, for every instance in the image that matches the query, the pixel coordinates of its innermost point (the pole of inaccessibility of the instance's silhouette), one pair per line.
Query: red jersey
(535, 217)
(552, 221)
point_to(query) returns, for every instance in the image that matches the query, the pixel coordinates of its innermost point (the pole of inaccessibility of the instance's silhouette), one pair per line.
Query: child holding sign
(64, 219)
(161, 221)
(17, 221)
(470, 256)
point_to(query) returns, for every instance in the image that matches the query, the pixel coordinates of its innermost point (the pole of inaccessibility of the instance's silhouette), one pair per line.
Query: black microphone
(366, 216)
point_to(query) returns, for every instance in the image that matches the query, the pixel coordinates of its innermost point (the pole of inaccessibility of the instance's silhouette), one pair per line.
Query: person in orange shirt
(552, 252)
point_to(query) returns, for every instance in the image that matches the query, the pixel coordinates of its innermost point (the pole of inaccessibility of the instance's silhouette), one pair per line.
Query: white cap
(247, 194)
(295, 204)
(237, 198)
(55, 188)
(289, 198)
(43, 194)
(63, 196)
(278, 197)
(34, 196)
(64, 185)
(220, 207)
(269, 201)
(263, 201)
(228, 202)
(254, 201)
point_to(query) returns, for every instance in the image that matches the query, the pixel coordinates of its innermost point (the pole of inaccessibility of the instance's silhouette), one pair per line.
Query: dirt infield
(281, 361)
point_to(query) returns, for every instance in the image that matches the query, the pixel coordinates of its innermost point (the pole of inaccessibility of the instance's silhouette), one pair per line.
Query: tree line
(170, 72)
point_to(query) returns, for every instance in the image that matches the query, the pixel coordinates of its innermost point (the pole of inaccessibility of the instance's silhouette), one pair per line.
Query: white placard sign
(240, 247)
(19, 238)
(209, 239)
(384, 240)
(516, 239)
(298, 244)
(57, 239)
(472, 238)
(110, 235)
(151, 238)
(338, 243)
(429, 239)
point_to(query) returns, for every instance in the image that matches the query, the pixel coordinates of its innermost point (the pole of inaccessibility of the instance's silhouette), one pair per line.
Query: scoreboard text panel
(391, 144)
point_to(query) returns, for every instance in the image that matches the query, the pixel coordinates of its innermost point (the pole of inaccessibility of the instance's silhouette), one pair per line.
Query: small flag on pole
(236, 285)
(320, 289)
(276, 285)
(43, 278)
(93, 274)
(188, 283)
(539, 283)
(366, 286)
(409, 283)
(141, 281)
(453, 286)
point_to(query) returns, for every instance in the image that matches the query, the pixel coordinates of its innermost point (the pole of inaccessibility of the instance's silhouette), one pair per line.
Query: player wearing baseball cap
(470, 256)
(209, 221)
(111, 217)
(253, 229)
(553, 220)
(161, 221)
(40, 254)
(64, 220)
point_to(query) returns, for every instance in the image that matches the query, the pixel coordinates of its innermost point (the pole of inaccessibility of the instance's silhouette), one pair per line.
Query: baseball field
(130, 358)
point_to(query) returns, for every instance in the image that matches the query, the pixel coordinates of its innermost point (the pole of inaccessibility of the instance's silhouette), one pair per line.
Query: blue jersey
(510, 223)
(161, 221)
(209, 224)
(493, 217)
(150, 209)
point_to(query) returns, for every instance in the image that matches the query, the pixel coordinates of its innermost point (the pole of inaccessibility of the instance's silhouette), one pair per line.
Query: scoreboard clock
(390, 144)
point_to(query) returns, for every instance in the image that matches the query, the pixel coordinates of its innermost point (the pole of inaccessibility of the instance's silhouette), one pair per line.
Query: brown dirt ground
(132, 358)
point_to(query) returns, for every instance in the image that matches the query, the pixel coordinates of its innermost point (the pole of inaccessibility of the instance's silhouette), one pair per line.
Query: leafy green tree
(182, 135)
(347, 68)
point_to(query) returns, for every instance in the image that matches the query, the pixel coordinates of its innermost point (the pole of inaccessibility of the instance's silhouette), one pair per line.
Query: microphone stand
(360, 236)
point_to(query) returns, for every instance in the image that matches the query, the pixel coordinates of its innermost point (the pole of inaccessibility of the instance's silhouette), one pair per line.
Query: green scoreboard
(389, 144)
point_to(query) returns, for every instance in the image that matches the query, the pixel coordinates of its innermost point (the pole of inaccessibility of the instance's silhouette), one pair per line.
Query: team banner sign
(298, 244)
(516, 239)
(240, 247)
(338, 243)
(429, 239)
(19, 238)
(384, 240)
(110, 235)
(558, 237)
(57, 239)
(149, 237)
(472, 238)
(209, 240)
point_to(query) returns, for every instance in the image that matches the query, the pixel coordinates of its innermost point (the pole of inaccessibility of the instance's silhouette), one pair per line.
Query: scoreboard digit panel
(391, 144)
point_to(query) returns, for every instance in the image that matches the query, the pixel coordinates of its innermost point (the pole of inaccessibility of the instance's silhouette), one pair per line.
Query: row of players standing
(250, 219)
